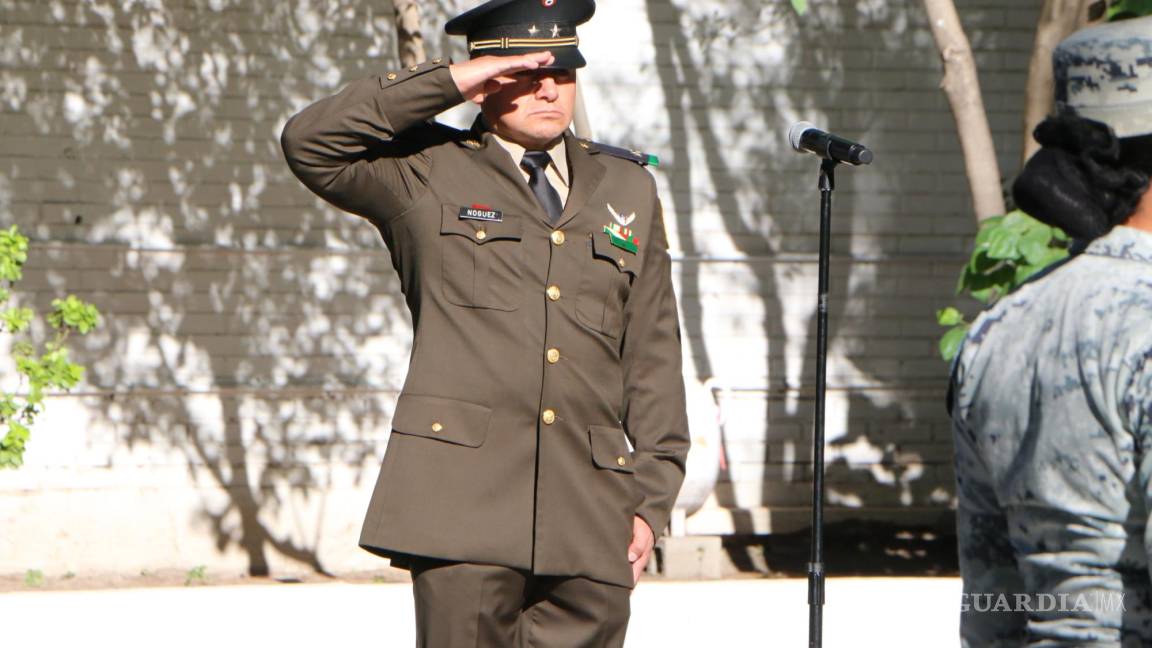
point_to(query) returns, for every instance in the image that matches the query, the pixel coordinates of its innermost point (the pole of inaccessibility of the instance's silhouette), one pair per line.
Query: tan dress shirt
(557, 172)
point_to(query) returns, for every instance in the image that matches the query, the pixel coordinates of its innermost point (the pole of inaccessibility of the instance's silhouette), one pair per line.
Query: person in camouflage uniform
(1051, 395)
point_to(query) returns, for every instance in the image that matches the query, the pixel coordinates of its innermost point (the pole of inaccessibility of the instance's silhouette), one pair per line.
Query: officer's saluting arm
(654, 407)
(363, 150)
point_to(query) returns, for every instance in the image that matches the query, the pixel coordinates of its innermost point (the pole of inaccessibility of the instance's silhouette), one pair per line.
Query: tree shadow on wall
(729, 104)
(247, 328)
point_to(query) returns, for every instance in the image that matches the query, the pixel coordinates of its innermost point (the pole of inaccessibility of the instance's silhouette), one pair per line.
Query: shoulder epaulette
(632, 155)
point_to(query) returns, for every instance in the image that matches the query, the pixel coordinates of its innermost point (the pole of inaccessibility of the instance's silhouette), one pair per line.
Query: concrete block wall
(237, 400)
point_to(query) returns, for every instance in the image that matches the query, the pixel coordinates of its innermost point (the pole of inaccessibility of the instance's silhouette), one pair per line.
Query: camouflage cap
(1104, 73)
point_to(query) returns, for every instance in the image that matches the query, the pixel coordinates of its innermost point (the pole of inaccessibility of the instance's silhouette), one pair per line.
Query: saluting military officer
(540, 438)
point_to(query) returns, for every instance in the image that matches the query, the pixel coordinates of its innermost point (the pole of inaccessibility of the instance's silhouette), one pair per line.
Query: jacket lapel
(586, 174)
(490, 155)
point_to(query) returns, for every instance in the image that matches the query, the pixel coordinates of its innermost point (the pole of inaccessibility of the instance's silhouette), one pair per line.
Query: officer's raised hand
(485, 75)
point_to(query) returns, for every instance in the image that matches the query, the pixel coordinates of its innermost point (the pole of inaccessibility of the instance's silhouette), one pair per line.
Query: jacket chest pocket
(482, 261)
(607, 278)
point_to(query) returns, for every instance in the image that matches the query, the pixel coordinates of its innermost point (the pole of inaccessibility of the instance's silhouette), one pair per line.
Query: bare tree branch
(409, 39)
(962, 87)
(1058, 19)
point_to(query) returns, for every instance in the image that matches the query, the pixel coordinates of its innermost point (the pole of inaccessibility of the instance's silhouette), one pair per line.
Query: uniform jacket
(544, 403)
(1052, 414)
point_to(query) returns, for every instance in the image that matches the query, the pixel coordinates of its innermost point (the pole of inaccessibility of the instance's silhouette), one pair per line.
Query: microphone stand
(816, 565)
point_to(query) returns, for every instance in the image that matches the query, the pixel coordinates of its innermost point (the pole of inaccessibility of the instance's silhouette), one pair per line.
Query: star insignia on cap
(555, 31)
(533, 30)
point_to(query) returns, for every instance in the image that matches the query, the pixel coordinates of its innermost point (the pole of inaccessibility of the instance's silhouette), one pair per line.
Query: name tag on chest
(482, 213)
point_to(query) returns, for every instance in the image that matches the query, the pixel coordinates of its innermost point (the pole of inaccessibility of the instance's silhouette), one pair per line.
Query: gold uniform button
(558, 237)
(553, 356)
(391, 76)
(554, 293)
(621, 461)
(436, 61)
(481, 235)
(549, 417)
(436, 427)
(621, 262)
(414, 68)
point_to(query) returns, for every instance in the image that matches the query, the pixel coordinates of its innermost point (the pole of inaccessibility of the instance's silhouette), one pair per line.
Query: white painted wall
(239, 394)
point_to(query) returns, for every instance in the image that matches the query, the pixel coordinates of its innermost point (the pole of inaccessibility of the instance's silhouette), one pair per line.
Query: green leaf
(981, 263)
(34, 578)
(1017, 221)
(73, 314)
(1023, 272)
(987, 295)
(950, 343)
(1002, 279)
(12, 445)
(1002, 244)
(1034, 245)
(17, 320)
(949, 317)
(801, 6)
(41, 371)
(13, 254)
(1124, 9)
(986, 228)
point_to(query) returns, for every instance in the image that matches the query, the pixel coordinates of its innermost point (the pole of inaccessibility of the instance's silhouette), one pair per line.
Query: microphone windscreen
(797, 131)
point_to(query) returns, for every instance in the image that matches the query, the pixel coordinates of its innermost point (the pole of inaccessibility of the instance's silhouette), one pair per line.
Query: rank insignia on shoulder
(622, 238)
(482, 213)
(643, 159)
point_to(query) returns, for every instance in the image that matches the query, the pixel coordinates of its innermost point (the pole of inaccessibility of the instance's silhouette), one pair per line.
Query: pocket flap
(610, 448)
(621, 259)
(444, 419)
(480, 231)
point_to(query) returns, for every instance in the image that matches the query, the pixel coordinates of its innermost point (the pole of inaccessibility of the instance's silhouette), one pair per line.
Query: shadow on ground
(851, 549)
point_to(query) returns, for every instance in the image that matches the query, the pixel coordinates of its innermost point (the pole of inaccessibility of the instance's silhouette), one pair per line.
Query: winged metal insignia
(623, 220)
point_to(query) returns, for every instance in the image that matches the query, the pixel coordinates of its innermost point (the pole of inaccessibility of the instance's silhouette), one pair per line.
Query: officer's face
(533, 108)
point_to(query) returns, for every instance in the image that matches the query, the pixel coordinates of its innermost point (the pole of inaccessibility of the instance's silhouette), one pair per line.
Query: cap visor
(566, 58)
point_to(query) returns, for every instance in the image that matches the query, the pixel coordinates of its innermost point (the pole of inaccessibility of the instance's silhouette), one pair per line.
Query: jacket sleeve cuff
(656, 516)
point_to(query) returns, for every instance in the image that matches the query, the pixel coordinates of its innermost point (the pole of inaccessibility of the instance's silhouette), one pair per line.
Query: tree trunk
(962, 87)
(1058, 19)
(409, 40)
(580, 122)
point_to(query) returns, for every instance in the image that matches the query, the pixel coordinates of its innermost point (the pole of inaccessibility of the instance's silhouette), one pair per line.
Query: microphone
(805, 137)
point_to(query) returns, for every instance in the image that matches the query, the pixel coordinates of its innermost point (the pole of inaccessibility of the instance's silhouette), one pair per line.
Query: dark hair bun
(1081, 180)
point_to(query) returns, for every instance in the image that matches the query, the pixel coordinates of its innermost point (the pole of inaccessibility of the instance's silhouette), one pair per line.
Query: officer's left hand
(640, 551)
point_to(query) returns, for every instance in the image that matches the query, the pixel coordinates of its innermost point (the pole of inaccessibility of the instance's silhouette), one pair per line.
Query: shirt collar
(558, 153)
(1123, 242)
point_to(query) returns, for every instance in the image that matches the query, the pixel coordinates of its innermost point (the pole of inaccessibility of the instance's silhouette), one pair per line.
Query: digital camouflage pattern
(1105, 73)
(1052, 418)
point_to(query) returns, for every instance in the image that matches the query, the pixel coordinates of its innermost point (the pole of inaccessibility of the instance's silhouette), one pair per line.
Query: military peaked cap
(513, 27)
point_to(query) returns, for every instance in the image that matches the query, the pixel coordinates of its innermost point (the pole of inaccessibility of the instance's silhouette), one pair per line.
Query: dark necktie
(535, 163)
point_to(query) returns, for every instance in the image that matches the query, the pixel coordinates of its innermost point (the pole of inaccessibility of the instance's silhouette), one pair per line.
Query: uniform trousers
(465, 605)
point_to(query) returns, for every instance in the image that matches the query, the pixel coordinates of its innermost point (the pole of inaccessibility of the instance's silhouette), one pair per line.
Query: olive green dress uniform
(544, 404)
